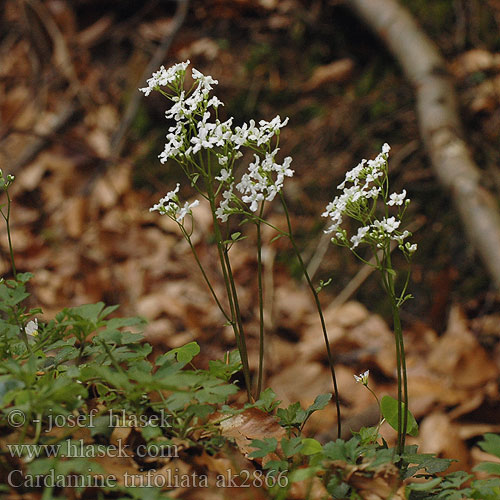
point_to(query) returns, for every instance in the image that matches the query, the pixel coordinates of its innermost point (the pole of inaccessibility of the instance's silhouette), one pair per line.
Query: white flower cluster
(170, 206)
(195, 131)
(368, 182)
(165, 77)
(258, 183)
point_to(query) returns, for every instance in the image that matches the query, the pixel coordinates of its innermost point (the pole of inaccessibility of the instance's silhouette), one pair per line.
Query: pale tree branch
(440, 124)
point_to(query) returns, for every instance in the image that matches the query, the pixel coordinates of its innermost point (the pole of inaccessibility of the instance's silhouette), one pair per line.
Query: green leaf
(335, 450)
(319, 403)
(267, 400)
(311, 447)
(293, 416)
(302, 474)
(150, 432)
(186, 353)
(428, 485)
(275, 466)
(389, 409)
(227, 368)
(489, 468)
(291, 446)
(337, 488)
(264, 447)
(491, 444)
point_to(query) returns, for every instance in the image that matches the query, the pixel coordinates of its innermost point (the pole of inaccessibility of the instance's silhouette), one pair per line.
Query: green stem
(243, 352)
(261, 306)
(232, 296)
(11, 249)
(388, 280)
(402, 377)
(320, 313)
(38, 428)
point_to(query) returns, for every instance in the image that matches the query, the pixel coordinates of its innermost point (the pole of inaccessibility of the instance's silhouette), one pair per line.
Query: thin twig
(118, 139)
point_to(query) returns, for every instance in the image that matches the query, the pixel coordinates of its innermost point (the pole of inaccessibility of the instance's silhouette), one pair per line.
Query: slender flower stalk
(261, 302)
(364, 189)
(5, 183)
(331, 361)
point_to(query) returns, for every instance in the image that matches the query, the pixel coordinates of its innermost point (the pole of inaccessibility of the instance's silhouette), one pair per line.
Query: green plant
(365, 192)
(207, 150)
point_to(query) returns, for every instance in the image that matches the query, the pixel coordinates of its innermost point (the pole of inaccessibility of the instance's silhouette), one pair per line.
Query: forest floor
(81, 221)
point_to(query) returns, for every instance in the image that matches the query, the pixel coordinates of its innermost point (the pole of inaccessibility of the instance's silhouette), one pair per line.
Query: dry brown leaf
(302, 382)
(439, 435)
(291, 306)
(312, 489)
(335, 72)
(459, 356)
(249, 425)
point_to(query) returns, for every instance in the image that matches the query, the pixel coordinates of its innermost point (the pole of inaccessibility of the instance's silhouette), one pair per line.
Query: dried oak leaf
(249, 425)
(384, 483)
(335, 72)
(459, 356)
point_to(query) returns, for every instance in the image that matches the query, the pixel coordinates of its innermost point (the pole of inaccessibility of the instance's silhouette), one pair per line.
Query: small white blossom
(223, 160)
(224, 211)
(32, 328)
(411, 248)
(397, 199)
(357, 238)
(362, 378)
(185, 210)
(387, 225)
(400, 237)
(205, 82)
(224, 176)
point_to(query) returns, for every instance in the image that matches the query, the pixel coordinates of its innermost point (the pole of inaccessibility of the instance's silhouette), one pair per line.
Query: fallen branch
(118, 139)
(439, 123)
(44, 132)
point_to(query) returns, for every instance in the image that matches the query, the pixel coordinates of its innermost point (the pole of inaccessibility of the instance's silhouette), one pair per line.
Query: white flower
(224, 175)
(164, 76)
(223, 160)
(185, 210)
(362, 378)
(358, 238)
(171, 196)
(224, 211)
(400, 237)
(411, 248)
(397, 199)
(32, 328)
(215, 102)
(205, 82)
(387, 225)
